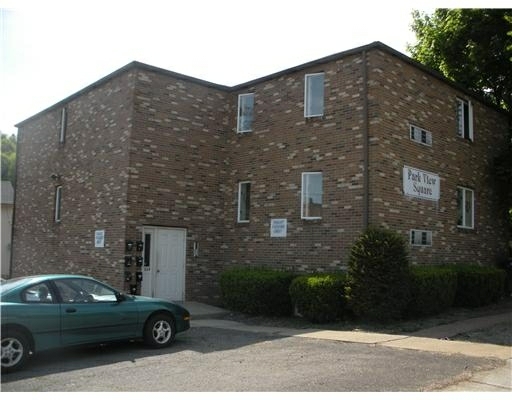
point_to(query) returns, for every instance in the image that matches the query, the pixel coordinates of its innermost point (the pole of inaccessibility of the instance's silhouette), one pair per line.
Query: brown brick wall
(283, 145)
(152, 148)
(93, 169)
(401, 94)
(177, 170)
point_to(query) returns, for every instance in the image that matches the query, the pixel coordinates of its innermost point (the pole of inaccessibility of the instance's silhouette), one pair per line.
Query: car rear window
(11, 284)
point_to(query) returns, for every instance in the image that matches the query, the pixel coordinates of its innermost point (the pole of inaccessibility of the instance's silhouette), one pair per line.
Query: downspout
(366, 148)
(13, 216)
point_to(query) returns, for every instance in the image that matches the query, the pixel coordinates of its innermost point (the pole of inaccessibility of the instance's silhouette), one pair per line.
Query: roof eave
(333, 57)
(128, 67)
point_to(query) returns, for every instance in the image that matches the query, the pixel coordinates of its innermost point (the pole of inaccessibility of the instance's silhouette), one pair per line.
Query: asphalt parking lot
(213, 359)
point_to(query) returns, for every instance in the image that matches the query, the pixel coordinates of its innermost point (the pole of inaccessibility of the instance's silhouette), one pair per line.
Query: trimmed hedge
(320, 298)
(432, 290)
(478, 285)
(259, 291)
(380, 285)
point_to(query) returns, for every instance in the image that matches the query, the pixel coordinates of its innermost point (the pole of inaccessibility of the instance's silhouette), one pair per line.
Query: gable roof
(374, 45)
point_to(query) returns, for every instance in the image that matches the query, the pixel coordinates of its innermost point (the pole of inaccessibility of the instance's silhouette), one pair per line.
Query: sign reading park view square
(278, 227)
(421, 184)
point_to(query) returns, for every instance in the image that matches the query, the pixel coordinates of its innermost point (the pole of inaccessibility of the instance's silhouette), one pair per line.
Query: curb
(471, 349)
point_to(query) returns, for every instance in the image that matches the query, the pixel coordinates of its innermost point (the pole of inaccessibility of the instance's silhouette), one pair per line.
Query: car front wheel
(159, 331)
(15, 350)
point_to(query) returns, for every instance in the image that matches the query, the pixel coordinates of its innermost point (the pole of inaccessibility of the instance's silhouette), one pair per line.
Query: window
(147, 249)
(311, 198)
(421, 238)
(465, 208)
(464, 119)
(420, 135)
(39, 293)
(245, 112)
(58, 203)
(79, 290)
(244, 201)
(314, 95)
(63, 122)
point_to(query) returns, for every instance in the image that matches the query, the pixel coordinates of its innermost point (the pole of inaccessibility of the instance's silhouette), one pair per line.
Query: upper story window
(420, 135)
(314, 95)
(311, 196)
(464, 119)
(244, 201)
(63, 123)
(245, 112)
(58, 203)
(465, 208)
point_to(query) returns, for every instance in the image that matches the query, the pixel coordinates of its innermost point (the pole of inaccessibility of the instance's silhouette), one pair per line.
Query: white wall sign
(421, 184)
(99, 238)
(278, 227)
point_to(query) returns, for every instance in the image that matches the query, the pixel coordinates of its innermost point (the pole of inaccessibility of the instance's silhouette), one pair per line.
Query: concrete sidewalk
(431, 340)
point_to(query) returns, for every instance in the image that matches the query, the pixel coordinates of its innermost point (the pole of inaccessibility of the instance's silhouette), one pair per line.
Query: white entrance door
(163, 271)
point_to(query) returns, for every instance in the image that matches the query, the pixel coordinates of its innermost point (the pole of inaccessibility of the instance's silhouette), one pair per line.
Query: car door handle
(70, 310)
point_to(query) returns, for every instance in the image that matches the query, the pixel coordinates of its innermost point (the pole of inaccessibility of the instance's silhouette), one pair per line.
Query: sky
(50, 49)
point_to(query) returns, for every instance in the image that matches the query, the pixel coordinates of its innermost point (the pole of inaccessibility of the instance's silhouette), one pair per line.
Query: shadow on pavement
(197, 340)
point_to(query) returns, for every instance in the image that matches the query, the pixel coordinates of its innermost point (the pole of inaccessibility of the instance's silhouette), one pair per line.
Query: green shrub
(478, 285)
(320, 298)
(379, 275)
(432, 290)
(257, 291)
(507, 267)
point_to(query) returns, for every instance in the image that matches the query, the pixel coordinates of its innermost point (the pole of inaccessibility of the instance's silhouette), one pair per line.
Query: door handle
(70, 310)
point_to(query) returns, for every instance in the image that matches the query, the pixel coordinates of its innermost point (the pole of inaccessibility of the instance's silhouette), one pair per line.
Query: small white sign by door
(99, 238)
(278, 227)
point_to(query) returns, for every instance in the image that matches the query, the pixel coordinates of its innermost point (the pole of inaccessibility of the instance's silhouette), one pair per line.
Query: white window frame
(465, 224)
(463, 131)
(304, 209)
(58, 204)
(247, 185)
(242, 115)
(420, 135)
(63, 123)
(420, 238)
(308, 96)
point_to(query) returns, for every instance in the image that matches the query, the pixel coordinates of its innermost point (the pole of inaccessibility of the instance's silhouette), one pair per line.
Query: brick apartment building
(153, 175)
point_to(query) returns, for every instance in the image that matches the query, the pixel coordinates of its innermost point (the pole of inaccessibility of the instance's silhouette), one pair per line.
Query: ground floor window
(311, 198)
(465, 208)
(421, 237)
(58, 202)
(244, 201)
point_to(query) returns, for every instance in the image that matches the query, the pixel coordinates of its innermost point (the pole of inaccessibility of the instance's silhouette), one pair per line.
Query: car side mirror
(120, 297)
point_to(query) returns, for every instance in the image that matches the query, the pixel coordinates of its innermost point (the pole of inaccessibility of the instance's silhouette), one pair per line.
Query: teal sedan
(52, 311)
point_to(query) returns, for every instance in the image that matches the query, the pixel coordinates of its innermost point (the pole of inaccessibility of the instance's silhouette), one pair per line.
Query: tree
(502, 172)
(379, 275)
(8, 147)
(473, 47)
(470, 46)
